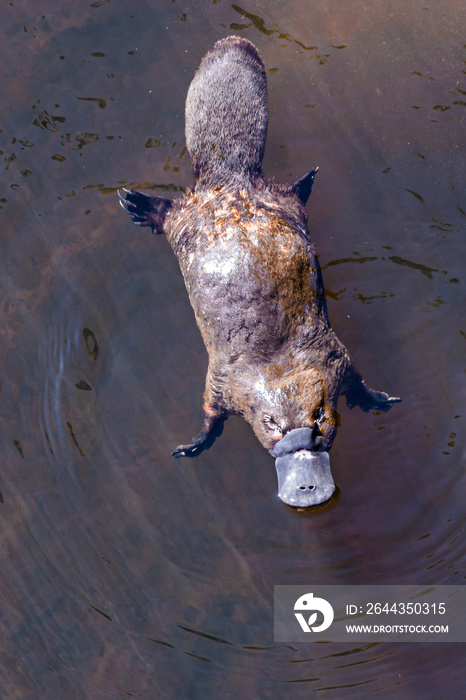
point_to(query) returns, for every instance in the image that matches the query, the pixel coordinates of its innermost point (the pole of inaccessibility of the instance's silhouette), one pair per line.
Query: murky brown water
(125, 573)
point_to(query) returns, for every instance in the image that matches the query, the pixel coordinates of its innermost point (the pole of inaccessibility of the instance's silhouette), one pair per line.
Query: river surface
(125, 573)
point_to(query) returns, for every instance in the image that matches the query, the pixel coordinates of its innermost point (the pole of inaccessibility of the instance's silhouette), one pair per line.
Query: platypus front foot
(367, 399)
(198, 445)
(145, 210)
(211, 430)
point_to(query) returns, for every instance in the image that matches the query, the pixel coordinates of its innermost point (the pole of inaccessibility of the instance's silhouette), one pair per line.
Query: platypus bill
(254, 282)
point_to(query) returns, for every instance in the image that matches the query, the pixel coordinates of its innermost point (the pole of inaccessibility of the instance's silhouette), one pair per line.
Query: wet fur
(250, 269)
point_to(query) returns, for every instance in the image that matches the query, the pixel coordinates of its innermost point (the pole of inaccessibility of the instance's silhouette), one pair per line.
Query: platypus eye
(320, 416)
(271, 424)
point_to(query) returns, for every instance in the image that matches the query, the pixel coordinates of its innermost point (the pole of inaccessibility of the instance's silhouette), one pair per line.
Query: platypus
(254, 282)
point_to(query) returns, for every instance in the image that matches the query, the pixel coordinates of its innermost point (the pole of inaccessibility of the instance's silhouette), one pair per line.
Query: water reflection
(125, 573)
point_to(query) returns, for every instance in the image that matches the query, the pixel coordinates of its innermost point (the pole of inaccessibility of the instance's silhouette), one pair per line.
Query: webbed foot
(211, 430)
(146, 210)
(368, 399)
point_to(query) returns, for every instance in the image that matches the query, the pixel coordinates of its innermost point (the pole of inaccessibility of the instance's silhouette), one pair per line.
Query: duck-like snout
(303, 469)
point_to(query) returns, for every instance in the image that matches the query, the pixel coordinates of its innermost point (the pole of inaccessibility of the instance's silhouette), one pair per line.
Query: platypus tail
(226, 113)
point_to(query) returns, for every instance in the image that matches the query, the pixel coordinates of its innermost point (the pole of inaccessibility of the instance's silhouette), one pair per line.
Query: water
(125, 573)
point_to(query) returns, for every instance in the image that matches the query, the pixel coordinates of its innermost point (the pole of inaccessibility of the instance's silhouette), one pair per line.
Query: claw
(125, 203)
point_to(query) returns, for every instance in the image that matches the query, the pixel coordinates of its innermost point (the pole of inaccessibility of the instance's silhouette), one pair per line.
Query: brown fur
(254, 288)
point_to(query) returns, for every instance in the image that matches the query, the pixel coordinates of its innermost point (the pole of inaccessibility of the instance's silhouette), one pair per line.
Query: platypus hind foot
(145, 210)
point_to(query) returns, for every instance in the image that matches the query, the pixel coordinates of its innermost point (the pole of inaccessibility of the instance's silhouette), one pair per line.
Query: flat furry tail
(226, 113)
